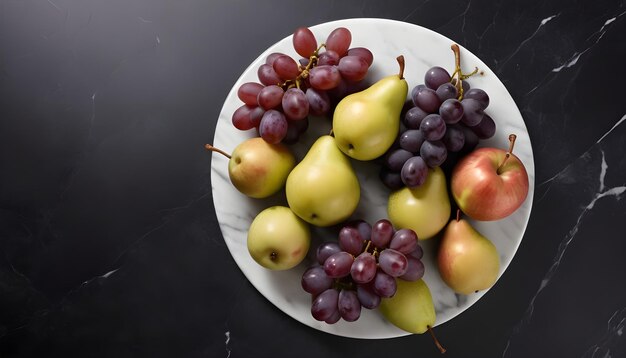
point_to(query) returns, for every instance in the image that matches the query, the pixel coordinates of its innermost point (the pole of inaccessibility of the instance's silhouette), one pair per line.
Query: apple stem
(213, 149)
(400, 60)
(439, 346)
(512, 138)
(458, 215)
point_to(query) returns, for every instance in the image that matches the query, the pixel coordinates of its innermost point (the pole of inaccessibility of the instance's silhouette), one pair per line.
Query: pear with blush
(468, 262)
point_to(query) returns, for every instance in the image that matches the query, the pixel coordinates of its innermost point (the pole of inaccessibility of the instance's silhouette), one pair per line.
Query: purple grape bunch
(445, 115)
(289, 90)
(360, 269)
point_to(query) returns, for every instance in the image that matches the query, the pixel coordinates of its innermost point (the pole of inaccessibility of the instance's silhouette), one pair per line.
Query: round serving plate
(386, 39)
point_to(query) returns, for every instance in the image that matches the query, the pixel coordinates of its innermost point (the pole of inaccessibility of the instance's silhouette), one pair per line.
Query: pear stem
(512, 138)
(400, 60)
(439, 346)
(213, 149)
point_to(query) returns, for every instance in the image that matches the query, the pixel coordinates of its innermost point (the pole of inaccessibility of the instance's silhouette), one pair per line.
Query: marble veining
(109, 242)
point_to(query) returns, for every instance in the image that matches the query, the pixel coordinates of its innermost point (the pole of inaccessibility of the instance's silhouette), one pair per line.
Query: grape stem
(439, 346)
(304, 72)
(217, 150)
(458, 76)
(512, 138)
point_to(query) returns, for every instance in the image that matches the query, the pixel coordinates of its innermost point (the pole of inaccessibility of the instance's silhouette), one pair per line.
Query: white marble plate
(386, 39)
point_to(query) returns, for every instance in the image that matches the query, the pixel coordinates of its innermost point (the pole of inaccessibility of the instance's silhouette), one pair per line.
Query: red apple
(490, 183)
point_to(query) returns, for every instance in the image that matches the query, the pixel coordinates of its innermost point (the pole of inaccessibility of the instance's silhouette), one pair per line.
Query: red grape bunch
(446, 116)
(289, 91)
(360, 269)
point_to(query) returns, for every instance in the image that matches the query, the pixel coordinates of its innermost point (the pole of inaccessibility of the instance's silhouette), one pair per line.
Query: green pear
(467, 261)
(424, 209)
(323, 189)
(411, 308)
(366, 123)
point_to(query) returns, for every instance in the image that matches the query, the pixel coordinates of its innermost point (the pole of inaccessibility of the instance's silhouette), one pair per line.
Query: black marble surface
(109, 245)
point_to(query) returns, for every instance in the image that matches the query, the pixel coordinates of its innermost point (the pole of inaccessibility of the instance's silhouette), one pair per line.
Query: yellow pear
(424, 209)
(366, 123)
(323, 189)
(411, 308)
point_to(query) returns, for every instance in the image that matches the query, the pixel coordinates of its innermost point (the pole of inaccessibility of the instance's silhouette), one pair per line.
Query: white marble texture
(422, 49)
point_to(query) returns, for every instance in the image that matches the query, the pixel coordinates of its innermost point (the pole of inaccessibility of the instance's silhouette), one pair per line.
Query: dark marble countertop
(109, 243)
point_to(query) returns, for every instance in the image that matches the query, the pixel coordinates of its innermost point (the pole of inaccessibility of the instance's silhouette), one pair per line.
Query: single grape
(366, 295)
(395, 159)
(418, 253)
(248, 93)
(433, 127)
(273, 126)
(486, 128)
(255, 116)
(413, 118)
(473, 112)
(325, 250)
(352, 68)
(293, 134)
(324, 77)
(363, 268)
(447, 91)
(349, 305)
(414, 172)
(286, 68)
(471, 139)
(365, 229)
(339, 41)
(415, 269)
(384, 284)
(391, 179)
(319, 103)
(350, 240)
(415, 90)
(435, 77)
(304, 42)
(267, 75)
(324, 305)
(328, 57)
(270, 97)
(272, 57)
(451, 111)
(241, 118)
(315, 281)
(404, 241)
(295, 103)
(338, 264)
(454, 139)
(411, 140)
(434, 153)
(382, 231)
(481, 96)
(363, 53)
(393, 262)
(427, 100)
(334, 318)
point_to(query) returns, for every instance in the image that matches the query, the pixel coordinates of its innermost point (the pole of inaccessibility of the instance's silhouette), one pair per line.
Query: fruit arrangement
(432, 197)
